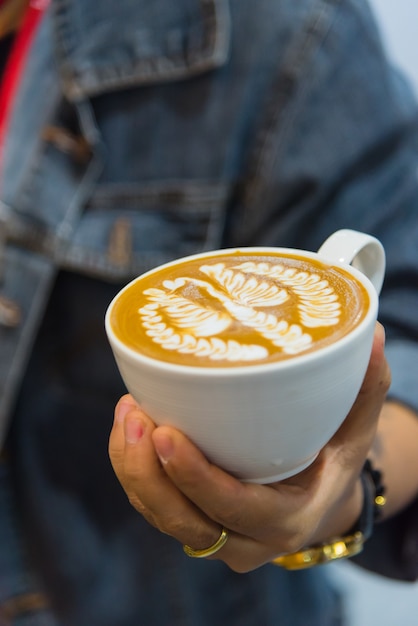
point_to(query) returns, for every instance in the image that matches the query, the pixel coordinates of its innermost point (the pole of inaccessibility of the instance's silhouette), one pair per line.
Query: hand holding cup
(256, 354)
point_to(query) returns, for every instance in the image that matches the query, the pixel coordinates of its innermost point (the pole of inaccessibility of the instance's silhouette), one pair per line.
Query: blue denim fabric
(188, 125)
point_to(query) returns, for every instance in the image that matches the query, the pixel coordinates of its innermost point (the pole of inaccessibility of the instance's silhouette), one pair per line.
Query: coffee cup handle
(362, 251)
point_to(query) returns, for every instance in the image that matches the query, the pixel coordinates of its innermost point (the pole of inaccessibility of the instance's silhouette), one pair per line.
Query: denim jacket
(146, 131)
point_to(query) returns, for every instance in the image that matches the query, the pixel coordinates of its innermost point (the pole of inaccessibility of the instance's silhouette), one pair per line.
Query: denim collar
(156, 43)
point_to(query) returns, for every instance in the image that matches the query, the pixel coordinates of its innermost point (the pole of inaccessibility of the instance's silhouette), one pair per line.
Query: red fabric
(16, 63)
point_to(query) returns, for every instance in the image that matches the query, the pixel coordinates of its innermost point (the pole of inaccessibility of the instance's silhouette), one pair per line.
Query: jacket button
(10, 313)
(120, 243)
(74, 145)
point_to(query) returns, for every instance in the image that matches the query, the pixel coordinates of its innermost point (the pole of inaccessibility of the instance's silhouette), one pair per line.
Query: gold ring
(201, 554)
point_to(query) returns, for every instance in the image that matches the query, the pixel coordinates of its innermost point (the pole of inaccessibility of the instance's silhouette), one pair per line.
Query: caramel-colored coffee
(238, 309)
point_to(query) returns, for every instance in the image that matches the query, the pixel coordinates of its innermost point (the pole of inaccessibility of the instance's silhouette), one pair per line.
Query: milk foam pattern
(193, 327)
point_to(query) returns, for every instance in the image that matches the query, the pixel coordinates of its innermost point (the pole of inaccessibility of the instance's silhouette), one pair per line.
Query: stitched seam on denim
(186, 196)
(212, 52)
(187, 201)
(50, 238)
(94, 263)
(16, 344)
(276, 122)
(85, 259)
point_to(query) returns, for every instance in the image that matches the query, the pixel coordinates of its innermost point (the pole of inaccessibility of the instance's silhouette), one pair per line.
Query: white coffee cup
(267, 421)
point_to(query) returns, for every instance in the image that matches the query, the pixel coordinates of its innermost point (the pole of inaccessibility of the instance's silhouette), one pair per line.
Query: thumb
(357, 431)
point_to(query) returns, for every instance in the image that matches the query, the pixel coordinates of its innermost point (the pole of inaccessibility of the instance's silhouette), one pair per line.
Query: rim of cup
(244, 368)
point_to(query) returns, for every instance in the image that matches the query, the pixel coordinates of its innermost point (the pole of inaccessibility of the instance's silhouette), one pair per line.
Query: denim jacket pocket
(128, 229)
(152, 44)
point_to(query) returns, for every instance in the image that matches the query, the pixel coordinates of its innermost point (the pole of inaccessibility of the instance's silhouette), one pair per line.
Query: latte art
(227, 311)
(187, 322)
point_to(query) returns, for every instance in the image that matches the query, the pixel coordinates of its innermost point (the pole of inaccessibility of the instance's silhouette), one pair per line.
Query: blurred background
(398, 22)
(373, 600)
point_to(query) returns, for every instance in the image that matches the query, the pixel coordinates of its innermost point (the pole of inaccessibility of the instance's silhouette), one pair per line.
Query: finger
(342, 458)
(361, 423)
(332, 480)
(117, 436)
(164, 505)
(250, 510)
(152, 492)
(377, 378)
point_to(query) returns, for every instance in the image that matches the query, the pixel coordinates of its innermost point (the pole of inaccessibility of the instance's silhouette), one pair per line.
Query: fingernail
(122, 408)
(382, 333)
(133, 430)
(163, 446)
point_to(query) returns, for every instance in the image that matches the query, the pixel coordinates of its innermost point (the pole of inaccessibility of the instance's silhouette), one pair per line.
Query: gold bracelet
(340, 548)
(352, 543)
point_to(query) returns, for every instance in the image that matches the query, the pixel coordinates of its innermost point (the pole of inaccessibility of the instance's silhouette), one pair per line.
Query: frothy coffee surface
(238, 309)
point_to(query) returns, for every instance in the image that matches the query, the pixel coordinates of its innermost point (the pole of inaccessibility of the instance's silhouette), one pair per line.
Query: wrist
(352, 542)
(343, 515)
